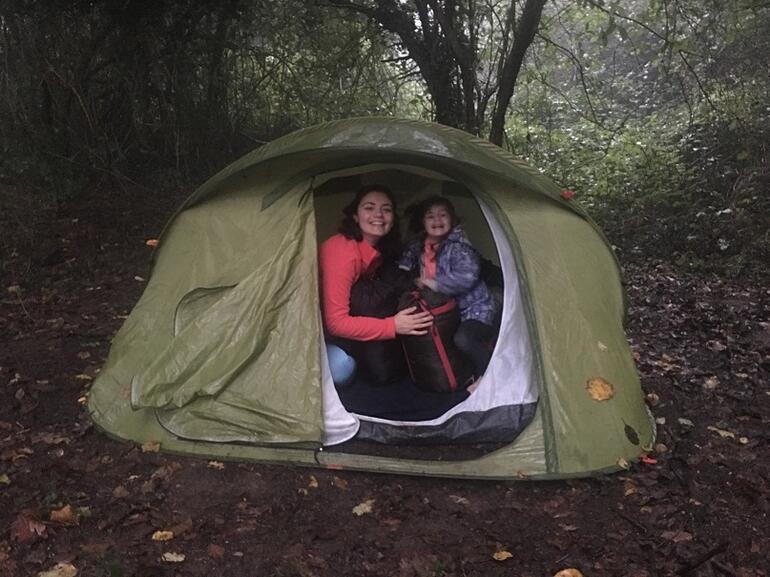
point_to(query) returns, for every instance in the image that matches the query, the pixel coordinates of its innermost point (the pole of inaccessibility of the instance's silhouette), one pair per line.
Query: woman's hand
(411, 322)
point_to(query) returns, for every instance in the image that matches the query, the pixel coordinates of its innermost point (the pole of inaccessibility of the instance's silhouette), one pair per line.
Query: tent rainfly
(223, 355)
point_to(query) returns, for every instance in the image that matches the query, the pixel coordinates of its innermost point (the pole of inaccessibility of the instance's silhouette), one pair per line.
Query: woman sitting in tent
(360, 256)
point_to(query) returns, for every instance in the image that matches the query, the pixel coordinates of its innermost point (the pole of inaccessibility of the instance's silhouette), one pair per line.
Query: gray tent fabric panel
(495, 425)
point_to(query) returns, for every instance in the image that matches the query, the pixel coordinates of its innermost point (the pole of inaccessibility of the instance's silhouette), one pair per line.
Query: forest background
(655, 112)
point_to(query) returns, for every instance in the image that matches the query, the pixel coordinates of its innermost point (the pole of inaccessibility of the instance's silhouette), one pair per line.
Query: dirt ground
(71, 496)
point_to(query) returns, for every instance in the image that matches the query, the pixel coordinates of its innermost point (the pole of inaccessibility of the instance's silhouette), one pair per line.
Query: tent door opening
(507, 395)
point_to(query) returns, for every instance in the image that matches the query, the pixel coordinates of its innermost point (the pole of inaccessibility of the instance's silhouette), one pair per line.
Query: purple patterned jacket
(457, 275)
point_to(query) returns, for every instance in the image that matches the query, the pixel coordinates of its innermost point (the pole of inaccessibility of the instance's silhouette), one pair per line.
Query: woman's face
(437, 222)
(374, 216)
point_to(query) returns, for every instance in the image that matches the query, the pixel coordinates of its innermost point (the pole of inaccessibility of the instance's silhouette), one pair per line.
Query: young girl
(443, 260)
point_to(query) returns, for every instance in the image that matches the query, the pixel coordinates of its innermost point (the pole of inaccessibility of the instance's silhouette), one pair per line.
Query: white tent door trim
(509, 377)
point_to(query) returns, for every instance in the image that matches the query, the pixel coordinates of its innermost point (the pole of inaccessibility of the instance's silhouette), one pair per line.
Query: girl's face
(374, 216)
(437, 222)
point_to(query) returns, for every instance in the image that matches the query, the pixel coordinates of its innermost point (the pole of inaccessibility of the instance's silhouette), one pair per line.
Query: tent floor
(404, 401)
(453, 452)
(398, 401)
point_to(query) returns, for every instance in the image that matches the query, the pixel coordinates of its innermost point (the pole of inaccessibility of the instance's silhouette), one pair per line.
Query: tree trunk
(525, 34)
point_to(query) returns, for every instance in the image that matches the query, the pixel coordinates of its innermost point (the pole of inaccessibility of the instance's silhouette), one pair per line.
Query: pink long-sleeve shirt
(342, 261)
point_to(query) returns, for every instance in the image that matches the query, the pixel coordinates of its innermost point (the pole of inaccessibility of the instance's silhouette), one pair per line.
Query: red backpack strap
(444, 358)
(439, 344)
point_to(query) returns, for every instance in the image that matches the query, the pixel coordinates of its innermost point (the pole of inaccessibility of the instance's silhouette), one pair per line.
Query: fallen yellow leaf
(502, 555)
(151, 447)
(677, 536)
(711, 383)
(363, 508)
(629, 489)
(66, 516)
(151, 242)
(312, 482)
(120, 492)
(171, 557)
(216, 465)
(571, 572)
(60, 570)
(653, 399)
(340, 483)
(459, 500)
(50, 438)
(721, 432)
(623, 464)
(599, 389)
(162, 535)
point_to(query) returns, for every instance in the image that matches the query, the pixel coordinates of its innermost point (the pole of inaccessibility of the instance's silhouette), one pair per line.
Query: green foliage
(658, 117)
(656, 113)
(128, 89)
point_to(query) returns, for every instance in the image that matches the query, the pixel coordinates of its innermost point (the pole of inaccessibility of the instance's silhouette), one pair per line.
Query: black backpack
(434, 362)
(379, 362)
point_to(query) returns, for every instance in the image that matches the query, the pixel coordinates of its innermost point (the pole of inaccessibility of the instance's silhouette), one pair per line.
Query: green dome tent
(223, 355)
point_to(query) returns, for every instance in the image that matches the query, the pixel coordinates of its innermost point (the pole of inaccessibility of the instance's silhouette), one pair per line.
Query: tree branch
(428, 27)
(464, 56)
(627, 18)
(697, 80)
(525, 34)
(581, 72)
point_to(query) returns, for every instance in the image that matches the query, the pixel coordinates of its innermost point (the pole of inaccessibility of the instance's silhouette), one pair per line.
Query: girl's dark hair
(389, 245)
(416, 213)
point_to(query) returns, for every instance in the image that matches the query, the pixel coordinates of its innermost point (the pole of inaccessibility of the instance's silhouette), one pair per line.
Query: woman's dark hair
(389, 245)
(416, 213)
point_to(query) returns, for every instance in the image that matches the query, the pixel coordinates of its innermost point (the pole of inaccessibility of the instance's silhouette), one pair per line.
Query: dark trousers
(473, 338)
(378, 362)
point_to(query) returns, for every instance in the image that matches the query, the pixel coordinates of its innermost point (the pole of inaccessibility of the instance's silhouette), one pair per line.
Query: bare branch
(581, 72)
(628, 18)
(697, 80)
